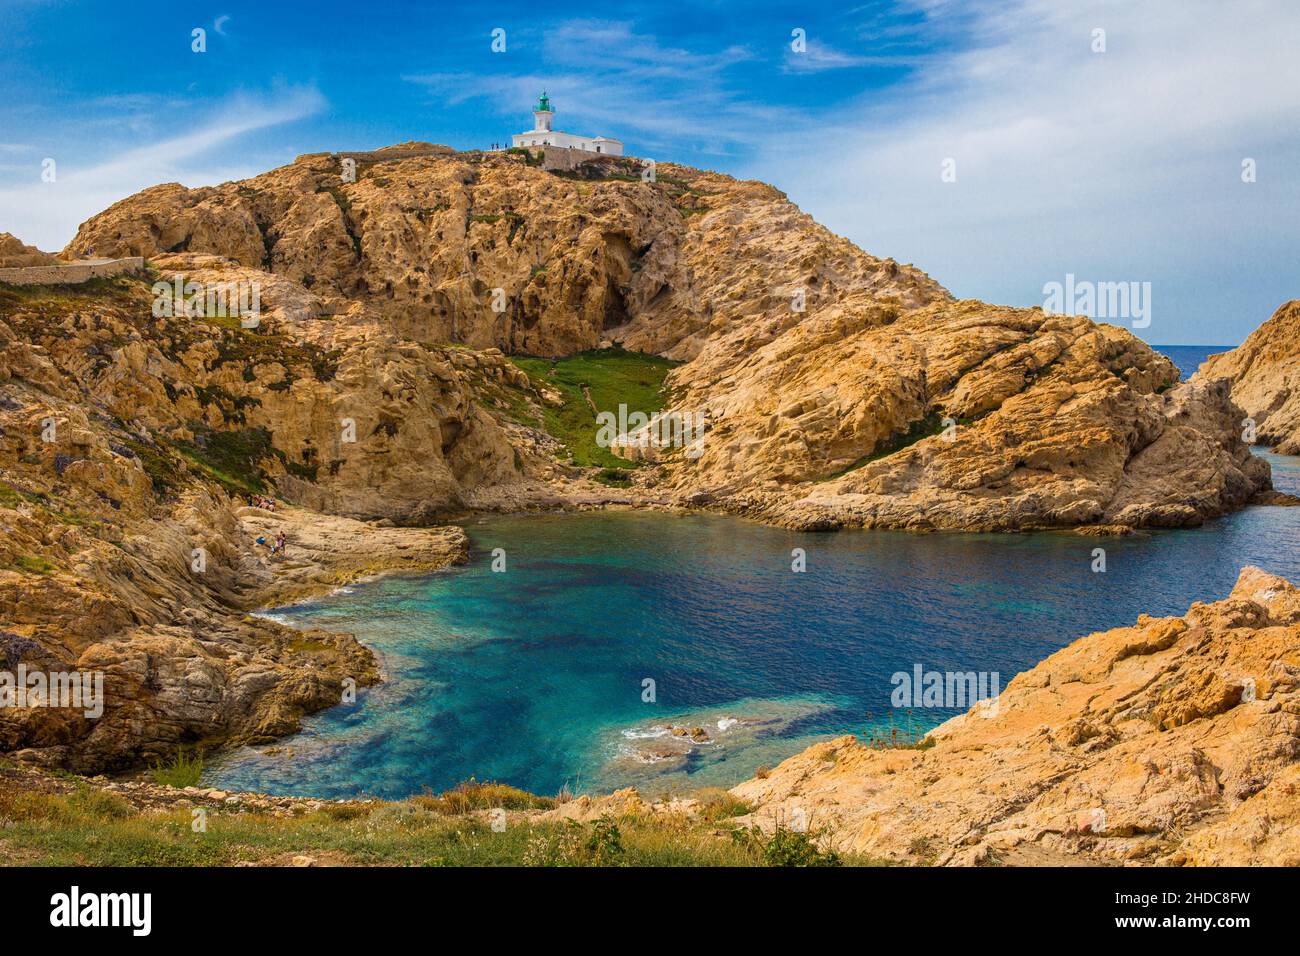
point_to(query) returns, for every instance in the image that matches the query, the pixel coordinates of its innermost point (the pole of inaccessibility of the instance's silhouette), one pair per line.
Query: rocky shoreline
(1172, 742)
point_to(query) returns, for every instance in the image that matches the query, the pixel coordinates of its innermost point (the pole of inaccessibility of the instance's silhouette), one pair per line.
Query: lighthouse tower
(543, 115)
(544, 133)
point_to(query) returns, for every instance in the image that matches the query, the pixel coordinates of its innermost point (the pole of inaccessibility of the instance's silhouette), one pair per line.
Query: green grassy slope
(608, 378)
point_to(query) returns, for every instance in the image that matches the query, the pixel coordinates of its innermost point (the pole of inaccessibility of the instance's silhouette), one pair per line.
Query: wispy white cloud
(47, 214)
(605, 77)
(817, 57)
(1123, 164)
(580, 43)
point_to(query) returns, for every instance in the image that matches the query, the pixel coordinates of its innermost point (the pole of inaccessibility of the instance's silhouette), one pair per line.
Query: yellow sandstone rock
(1265, 375)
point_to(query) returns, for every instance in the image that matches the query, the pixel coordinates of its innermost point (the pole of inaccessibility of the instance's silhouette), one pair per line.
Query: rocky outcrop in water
(1265, 375)
(1175, 741)
(961, 416)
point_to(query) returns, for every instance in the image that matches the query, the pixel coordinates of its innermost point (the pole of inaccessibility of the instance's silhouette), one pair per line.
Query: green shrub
(786, 847)
(346, 811)
(232, 458)
(183, 770)
(33, 564)
(100, 804)
(577, 844)
(604, 846)
(614, 477)
(716, 804)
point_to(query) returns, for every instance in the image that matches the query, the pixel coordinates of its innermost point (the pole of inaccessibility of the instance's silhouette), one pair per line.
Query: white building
(543, 133)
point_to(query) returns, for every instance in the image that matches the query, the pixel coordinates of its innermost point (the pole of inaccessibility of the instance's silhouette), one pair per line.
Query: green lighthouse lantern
(543, 115)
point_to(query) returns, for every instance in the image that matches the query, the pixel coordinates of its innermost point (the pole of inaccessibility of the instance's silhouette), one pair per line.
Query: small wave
(284, 619)
(650, 756)
(645, 733)
(673, 749)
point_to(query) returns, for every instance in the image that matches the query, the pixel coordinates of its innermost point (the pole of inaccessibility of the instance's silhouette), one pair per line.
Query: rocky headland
(1265, 375)
(379, 394)
(837, 388)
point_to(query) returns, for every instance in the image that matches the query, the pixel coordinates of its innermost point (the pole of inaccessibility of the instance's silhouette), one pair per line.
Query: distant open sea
(537, 676)
(1188, 358)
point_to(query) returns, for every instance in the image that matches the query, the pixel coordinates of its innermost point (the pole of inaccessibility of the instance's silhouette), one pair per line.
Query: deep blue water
(534, 676)
(1188, 358)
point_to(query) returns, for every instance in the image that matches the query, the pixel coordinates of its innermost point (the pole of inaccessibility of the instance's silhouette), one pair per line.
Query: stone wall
(383, 155)
(74, 273)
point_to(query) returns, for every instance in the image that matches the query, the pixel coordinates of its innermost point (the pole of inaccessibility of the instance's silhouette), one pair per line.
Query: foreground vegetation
(79, 824)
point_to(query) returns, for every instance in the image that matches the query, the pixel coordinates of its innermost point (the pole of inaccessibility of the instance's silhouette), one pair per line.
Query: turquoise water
(534, 676)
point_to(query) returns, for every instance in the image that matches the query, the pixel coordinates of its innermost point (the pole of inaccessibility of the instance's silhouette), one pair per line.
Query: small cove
(535, 676)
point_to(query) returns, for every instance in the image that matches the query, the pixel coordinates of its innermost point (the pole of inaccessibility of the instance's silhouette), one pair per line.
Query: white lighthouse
(544, 133)
(543, 115)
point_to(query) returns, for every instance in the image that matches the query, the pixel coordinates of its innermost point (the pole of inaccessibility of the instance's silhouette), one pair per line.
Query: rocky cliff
(1174, 741)
(1265, 375)
(424, 242)
(837, 388)
(963, 415)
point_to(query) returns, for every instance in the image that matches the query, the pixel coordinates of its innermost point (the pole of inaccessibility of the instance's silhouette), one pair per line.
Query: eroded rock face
(349, 418)
(961, 415)
(1265, 375)
(424, 242)
(1175, 741)
(120, 592)
(123, 554)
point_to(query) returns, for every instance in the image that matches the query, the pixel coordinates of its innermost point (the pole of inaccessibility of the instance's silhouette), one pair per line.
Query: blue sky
(1122, 165)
